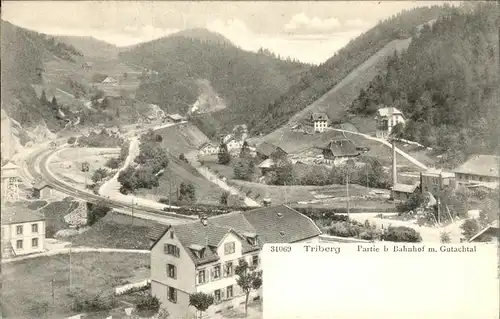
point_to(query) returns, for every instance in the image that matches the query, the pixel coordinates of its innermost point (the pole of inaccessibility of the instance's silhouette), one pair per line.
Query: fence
(126, 288)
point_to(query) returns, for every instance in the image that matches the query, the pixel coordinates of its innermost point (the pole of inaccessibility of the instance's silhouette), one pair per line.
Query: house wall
(186, 274)
(400, 196)
(386, 124)
(45, 192)
(9, 234)
(464, 178)
(320, 126)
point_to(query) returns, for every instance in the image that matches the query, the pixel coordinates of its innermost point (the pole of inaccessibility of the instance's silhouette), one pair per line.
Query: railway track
(42, 157)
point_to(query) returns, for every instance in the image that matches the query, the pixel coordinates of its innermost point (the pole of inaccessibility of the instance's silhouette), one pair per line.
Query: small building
(23, 231)
(201, 256)
(490, 233)
(320, 121)
(109, 81)
(437, 181)
(479, 169)
(265, 150)
(339, 150)
(266, 166)
(87, 66)
(401, 192)
(42, 190)
(176, 118)
(208, 149)
(233, 144)
(387, 118)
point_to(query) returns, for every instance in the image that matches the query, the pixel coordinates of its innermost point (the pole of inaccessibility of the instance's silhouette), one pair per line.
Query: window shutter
(222, 294)
(211, 274)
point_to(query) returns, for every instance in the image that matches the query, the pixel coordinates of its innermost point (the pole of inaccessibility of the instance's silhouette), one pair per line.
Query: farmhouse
(340, 150)
(266, 150)
(109, 81)
(479, 168)
(208, 149)
(320, 121)
(23, 231)
(176, 118)
(201, 256)
(387, 118)
(42, 190)
(233, 144)
(401, 192)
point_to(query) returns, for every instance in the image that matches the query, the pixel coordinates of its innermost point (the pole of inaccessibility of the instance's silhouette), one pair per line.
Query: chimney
(394, 169)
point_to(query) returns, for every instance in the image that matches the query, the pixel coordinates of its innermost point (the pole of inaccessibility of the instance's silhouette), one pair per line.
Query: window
(171, 235)
(229, 248)
(229, 292)
(171, 271)
(201, 276)
(172, 294)
(216, 272)
(217, 296)
(171, 250)
(19, 229)
(19, 244)
(34, 242)
(228, 269)
(34, 228)
(255, 260)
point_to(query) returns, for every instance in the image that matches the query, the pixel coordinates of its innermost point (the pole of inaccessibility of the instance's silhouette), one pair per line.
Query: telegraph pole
(52, 282)
(347, 193)
(132, 211)
(70, 275)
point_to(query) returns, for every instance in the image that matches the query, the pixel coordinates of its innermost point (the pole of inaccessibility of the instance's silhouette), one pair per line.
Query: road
(205, 172)
(386, 143)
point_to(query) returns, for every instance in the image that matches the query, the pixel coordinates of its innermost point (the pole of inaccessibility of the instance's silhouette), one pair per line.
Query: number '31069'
(280, 249)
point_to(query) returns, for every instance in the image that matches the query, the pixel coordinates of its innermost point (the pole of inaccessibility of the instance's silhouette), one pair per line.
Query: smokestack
(394, 170)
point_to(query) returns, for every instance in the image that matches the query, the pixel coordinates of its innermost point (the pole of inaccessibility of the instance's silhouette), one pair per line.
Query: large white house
(201, 256)
(208, 149)
(387, 118)
(320, 121)
(23, 232)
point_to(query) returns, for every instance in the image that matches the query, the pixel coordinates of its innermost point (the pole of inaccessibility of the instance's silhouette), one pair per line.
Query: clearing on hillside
(182, 138)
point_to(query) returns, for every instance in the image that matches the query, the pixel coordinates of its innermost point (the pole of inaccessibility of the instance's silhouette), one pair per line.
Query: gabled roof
(404, 188)
(438, 172)
(18, 215)
(108, 80)
(10, 165)
(267, 148)
(157, 231)
(40, 185)
(319, 117)
(267, 163)
(342, 147)
(279, 224)
(206, 144)
(482, 165)
(175, 116)
(492, 226)
(388, 111)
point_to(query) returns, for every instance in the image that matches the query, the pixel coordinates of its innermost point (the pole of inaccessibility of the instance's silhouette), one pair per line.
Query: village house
(266, 150)
(402, 192)
(437, 182)
(320, 121)
(266, 166)
(176, 118)
(23, 231)
(208, 149)
(42, 190)
(339, 151)
(490, 233)
(479, 169)
(387, 118)
(233, 144)
(201, 256)
(109, 81)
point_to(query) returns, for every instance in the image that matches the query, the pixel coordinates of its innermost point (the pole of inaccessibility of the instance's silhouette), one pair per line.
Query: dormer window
(280, 215)
(282, 233)
(198, 251)
(251, 238)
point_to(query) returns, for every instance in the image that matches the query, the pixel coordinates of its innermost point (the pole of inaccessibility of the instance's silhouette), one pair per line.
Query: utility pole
(366, 175)
(52, 282)
(132, 211)
(70, 275)
(347, 193)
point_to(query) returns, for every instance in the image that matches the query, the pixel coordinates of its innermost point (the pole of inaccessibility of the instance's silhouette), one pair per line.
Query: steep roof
(279, 224)
(176, 116)
(319, 117)
(267, 148)
(10, 165)
(108, 80)
(493, 226)
(267, 163)
(157, 231)
(342, 147)
(206, 144)
(40, 185)
(388, 111)
(482, 165)
(404, 188)
(18, 215)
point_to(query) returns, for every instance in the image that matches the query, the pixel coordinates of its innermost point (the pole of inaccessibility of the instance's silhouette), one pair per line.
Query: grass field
(27, 285)
(115, 231)
(178, 172)
(182, 138)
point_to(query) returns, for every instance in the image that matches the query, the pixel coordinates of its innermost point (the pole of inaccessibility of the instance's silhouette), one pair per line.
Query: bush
(148, 303)
(401, 234)
(96, 212)
(113, 163)
(83, 302)
(72, 140)
(344, 229)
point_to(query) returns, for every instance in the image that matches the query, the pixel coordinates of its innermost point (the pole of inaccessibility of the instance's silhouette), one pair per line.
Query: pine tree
(43, 98)
(224, 156)
(54, 101)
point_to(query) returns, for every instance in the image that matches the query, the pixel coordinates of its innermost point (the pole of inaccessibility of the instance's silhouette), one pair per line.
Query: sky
(308, 31)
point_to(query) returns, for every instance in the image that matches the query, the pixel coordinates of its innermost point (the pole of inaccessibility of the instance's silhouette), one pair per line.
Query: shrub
(148, 303)
(113, 163)
(96, 212)
(401, 234)
(72, 140)
(344, 229)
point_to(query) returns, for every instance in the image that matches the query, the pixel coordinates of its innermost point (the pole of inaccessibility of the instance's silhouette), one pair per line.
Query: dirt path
(209, 175)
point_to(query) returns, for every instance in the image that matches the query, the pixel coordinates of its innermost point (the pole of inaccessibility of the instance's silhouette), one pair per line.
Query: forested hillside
(247, 81)
(446, 83)
(320, 79)
(23, 56)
